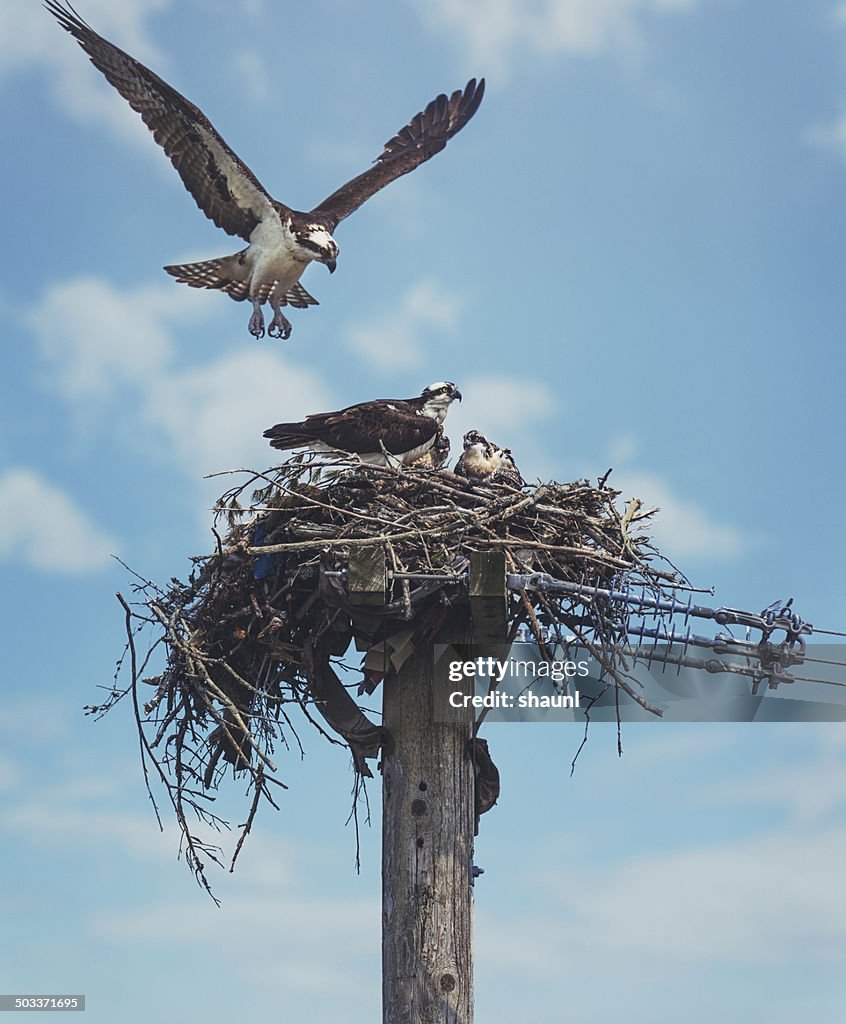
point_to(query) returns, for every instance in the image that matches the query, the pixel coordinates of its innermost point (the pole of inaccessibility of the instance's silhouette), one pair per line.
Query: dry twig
(259, 619)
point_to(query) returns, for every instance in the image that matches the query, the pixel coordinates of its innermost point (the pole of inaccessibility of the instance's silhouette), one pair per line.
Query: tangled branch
(254, 634)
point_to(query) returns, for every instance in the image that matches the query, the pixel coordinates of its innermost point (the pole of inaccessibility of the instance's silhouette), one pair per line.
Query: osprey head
(316, 243)
(473, 437)
(437, 398)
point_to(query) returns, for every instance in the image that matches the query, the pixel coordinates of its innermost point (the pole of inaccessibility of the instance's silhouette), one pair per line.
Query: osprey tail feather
(231, 274)
(227, 274)
(289, 435)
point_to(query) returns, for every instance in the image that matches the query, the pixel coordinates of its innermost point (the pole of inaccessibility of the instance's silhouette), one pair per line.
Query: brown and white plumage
(437, 455)
(507, 471)
(482, 461)
(387, 431)
(283, 241)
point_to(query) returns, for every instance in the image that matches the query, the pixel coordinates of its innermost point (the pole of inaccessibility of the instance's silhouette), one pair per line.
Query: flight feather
(282, 241)
(223, 187)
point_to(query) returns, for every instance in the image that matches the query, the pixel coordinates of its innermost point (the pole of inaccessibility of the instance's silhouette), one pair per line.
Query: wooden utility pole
(427, 850)
(428, 817)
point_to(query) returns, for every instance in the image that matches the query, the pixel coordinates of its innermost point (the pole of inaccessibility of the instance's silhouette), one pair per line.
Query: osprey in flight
(385, 432)
(482, 461)
(282, 241)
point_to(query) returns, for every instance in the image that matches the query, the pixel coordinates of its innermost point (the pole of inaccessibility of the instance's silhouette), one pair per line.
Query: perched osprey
(384, 432)
(484, 462)
(282, 241)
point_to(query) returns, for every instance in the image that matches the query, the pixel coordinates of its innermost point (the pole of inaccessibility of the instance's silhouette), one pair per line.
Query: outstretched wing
(359, 429)
(223, 187)
(425, 134)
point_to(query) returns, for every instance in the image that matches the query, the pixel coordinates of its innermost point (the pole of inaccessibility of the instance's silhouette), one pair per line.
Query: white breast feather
(271, 255)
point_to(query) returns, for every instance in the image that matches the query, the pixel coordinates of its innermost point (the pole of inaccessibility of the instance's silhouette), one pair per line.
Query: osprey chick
(282, 241)
(484, 462)
(437, 455)
(387, 431)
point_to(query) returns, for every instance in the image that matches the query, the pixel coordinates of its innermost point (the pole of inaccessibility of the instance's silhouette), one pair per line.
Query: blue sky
(632, 257)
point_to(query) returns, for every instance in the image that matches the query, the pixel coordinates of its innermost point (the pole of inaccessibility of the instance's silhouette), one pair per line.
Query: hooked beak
(330, 263)
(456, 394)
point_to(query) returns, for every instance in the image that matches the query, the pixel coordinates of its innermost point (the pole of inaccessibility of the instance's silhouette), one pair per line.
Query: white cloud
(830, 136)
(623, 449)
(253, 8)
(495, 31)
(44, 528)
(681, 528)
(94, 338)
(344, 158)
(666, 747)
(752, 900)
(259, 913)
(89, 825)
(117, 347)
(116, 352)
(213, 415)
(28, 31)
(277, 960)
(31, 38)
(10, 774)
(274, 882)
(507, 409)
(251, 73)
(501, 406)
(40, 720)
(810, 789)
(395, 339)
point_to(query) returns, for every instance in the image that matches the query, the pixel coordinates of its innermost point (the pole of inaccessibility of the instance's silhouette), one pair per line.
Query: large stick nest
(259, 623)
